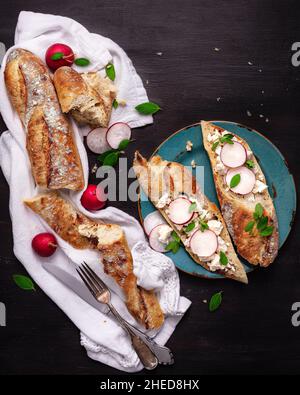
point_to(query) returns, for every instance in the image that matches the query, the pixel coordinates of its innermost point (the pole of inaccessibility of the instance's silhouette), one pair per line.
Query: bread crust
(110, 240)
(54, 157)
(87, 96)
(174, 178)
(238, 212)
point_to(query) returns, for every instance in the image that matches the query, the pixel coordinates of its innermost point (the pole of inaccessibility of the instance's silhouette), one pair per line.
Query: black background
(252, 331)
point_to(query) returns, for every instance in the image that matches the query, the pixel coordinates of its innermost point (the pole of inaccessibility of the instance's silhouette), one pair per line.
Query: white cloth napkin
(102, 337)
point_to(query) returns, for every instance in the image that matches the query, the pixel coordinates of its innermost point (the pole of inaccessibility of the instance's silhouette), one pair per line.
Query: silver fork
(149, 352)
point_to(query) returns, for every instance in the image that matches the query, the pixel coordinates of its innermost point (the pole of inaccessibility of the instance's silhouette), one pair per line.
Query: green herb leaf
(262, 223)
(124, 144)
(147, 108)
(249, 227)
(111, 159)
(215, 301)
(223, 258)
(203, 226)
(192, 207)
(215, 145)
(173, 246)
(235, 180)
(258, 211)
(110, 71)
(175, 236)
(24, 282)
(104, 155)
(57, 56)
(189, 227)
(82, 62)
(227, 138)
(115, 104)
(250, 164)
(267, 231)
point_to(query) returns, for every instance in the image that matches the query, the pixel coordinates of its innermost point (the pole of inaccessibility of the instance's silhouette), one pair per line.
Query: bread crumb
(267, 120)
(218, 99)
(159, 53)
(260, 70)
(193, 164)
(249, 113)
(204, 301)
(216, 49)
(189, 145)
(250, 63)
(94, 168)
(122, 102)
(261, 116)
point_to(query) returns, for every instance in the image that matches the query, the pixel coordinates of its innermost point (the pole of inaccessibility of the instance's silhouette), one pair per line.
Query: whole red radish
(44, 244)
(93, 198)
(59, 55)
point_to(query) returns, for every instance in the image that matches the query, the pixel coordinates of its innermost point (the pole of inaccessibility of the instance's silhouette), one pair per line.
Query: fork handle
(147, 357)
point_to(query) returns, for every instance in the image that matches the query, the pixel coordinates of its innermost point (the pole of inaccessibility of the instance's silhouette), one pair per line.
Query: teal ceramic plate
(280, 181)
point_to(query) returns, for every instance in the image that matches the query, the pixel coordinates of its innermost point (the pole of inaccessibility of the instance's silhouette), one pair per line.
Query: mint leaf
(192, 207)
(110, 71)
(189, 227)
(115, 104)
(235, 180)
(104, 155)
(147, 108)
(227, 138)
(258, 211)
(173, 246)
(249, 227)
(267, 231)
(215, 145)
(262, 223)
(203, 226)
(57, 56)
(250, 164)
(24, 282)
(111, 159)
(82, 62)
(223, 259)
(215, 301)
(175, 236)
(124, 144)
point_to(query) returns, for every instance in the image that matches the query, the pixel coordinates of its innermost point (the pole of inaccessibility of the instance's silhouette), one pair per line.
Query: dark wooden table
(252, 331)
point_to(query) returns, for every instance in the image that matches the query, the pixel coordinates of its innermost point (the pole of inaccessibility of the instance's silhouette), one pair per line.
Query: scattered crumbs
(216, 49)
(204, 301)
(218, 99)
(261, 116)
(262, 104)
(94, 169)
(122, 102)
(189, 145)
(159, 53)
(250, 63)
(262, 92)
(147, 82)
(267, 120)
(249, 113)
(260, 70)
(193, 164)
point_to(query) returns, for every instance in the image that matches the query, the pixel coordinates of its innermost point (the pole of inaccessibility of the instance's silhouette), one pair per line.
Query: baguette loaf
(110, 240)
(87, 96)
(163, 182)
(238, 209)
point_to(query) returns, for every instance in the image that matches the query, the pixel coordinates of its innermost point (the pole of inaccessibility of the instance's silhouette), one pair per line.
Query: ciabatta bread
(164, 182)
(50, 143)
(110, 240)
(238, 209)
(87, 97)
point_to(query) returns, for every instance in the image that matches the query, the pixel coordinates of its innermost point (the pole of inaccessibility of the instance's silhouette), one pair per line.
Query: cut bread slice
(164, 182)
(238, 209)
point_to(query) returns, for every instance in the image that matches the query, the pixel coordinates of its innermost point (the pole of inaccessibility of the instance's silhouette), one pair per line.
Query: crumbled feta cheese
(259, 187)
(164, 234)
(220, 168)
(215, 264)
(189, 145)
(215, 226)
(222, 246)
(250, 197)
(212, 137)
(218, 150)
(249, 154)
(163, 201)
(122, 102)
(193, 164)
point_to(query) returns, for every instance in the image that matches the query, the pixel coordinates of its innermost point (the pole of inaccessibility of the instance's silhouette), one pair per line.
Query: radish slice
(152, 220)
(116, 133)
(233, 155)
(246, 183)
(155, 244)
(96, 141)
(204, 244)
(178, 211)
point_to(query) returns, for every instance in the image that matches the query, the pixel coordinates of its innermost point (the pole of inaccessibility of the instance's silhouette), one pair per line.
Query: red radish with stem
(233, 155)
(152, 220)
(154, 242)
(247, 180)
(204, 244)
(44, 244)
(58, 55)
(179, 211)
(96, 141)
(116, 133)
(92, 199)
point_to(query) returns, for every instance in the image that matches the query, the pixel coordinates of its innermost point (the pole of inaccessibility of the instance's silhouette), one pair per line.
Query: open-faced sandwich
(189, 214)
(242, 191)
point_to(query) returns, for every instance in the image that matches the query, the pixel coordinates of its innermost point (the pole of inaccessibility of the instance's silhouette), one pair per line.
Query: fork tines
(91, 279)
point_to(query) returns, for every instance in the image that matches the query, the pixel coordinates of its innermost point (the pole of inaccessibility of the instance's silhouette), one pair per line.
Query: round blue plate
(280, 181)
